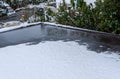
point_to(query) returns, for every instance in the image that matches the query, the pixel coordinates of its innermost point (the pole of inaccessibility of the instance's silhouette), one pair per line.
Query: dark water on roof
(36, 34)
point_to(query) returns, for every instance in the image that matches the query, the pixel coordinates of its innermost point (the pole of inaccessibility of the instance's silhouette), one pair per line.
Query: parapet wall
(36, 33)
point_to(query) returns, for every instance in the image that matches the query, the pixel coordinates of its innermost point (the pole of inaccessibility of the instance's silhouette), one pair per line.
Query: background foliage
(103, 16)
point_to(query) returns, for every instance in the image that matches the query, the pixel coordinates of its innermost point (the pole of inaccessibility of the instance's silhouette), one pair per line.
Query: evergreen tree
(109, 14)
(105, 16)
(72, 3)
(79, 3)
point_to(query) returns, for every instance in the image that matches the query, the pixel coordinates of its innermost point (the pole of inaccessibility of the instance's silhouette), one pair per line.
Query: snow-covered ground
(90, 1)
(41, 5)
(68, 2)
(57, 60)
(24, 24)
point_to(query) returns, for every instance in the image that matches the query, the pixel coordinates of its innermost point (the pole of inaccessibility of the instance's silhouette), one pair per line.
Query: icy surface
(56, 60)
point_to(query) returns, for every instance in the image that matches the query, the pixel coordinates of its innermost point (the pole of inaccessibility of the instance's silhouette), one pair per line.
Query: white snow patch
(90, 1)
(5, 4)
(56, 60)
(24, 24)
(68, 1)
(41, 5)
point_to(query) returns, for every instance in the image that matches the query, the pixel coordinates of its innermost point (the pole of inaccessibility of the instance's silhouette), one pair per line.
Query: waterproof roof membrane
(55, 52)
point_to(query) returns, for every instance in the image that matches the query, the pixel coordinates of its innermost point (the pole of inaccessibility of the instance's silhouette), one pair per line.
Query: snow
(41, 5)
(57, 60)
(5, 4)
(90, 1)
(24, 24)
(68, 1)
(18, 9)
(13, 27)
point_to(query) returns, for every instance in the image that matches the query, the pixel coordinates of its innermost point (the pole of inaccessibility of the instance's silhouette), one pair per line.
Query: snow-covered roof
(51, 59)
